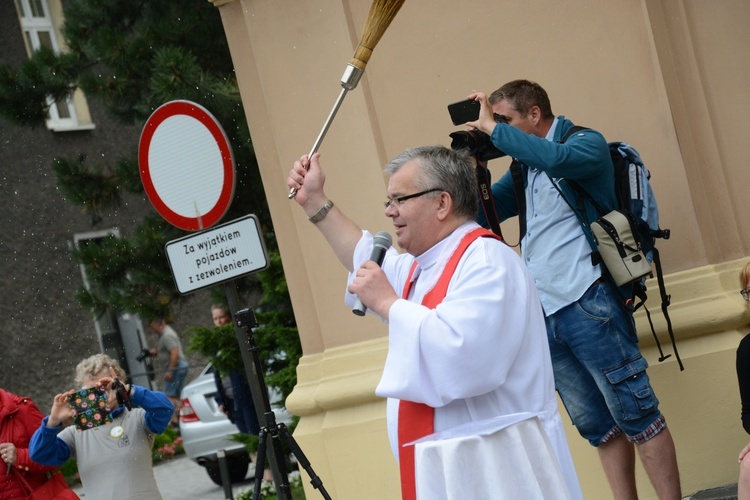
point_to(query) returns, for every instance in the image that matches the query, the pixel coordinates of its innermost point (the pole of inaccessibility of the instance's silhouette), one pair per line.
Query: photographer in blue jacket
(599, 371)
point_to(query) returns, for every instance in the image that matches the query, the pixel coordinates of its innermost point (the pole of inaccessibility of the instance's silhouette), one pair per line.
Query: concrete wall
(668, 76)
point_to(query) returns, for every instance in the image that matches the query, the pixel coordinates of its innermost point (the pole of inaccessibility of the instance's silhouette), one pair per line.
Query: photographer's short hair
(93, 365)
(447, 169)
(522, 95)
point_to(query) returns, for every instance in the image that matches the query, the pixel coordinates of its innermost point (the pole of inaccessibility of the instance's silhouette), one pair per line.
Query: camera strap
(123, 396)
(484, 186)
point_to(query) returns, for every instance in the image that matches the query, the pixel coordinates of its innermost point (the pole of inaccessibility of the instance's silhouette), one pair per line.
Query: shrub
(167, 445)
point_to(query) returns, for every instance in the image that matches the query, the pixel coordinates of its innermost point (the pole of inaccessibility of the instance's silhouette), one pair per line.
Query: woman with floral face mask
(113, 452)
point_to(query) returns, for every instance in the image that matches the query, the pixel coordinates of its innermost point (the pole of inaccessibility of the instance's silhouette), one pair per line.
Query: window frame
(64, 114)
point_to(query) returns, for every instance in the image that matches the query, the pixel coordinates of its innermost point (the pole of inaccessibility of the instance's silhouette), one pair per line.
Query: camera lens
(477, 143)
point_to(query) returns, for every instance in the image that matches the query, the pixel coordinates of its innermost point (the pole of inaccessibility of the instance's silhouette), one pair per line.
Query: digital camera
(145, 353)
(477, 142)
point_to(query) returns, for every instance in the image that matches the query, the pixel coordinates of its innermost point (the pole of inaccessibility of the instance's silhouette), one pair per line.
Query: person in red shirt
(19, 418)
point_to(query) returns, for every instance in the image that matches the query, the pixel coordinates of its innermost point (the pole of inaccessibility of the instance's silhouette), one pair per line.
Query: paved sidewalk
(183, 479)
(728, 492)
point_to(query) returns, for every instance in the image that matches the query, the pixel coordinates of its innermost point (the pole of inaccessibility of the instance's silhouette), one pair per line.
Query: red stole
(416, 420)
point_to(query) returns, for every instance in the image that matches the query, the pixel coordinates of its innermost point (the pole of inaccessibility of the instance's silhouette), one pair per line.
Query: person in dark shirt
(743, 377)
(233, 391)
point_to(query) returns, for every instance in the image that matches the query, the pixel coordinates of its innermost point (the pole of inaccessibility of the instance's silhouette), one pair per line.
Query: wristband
(320, 214)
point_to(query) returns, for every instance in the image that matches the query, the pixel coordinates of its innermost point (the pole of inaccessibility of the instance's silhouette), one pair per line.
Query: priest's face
(415, 219)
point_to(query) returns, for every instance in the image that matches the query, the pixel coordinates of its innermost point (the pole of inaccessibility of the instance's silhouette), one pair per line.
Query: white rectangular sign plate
(217, 255)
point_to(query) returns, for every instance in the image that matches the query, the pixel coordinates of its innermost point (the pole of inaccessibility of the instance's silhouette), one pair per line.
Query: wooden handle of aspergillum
(379, 18)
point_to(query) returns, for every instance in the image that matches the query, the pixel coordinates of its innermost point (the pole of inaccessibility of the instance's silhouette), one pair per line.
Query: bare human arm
(174, 358)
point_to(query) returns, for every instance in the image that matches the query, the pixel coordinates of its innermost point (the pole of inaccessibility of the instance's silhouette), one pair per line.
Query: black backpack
(634, 195)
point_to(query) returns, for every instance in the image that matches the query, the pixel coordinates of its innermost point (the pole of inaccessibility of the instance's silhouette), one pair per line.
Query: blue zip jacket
(584, 157)
(45, 448)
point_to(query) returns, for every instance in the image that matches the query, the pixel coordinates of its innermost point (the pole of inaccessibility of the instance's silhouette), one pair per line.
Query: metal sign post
(187, 171)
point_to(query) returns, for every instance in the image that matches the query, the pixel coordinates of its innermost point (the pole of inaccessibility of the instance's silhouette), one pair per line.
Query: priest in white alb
(468, 374)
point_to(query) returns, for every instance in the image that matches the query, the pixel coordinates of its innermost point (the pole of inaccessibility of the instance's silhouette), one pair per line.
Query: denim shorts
(600, 373)
(172, 388)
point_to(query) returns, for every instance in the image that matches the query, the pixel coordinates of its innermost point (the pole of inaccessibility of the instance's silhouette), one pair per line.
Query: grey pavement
(183, 479)
(727, 492)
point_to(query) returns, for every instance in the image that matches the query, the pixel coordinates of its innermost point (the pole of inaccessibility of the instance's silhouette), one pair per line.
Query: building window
(40, 20)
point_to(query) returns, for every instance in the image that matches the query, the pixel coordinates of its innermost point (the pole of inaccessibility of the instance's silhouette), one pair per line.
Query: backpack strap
(665, 301)
(595, 257)
(516, 174)
(626, 291)
(573, 130)
(575, 185)
(639, 292)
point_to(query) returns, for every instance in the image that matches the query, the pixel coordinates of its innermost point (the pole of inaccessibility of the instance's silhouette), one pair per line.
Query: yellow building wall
(668, 76)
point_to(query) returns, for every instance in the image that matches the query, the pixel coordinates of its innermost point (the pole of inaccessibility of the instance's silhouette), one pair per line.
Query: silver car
(205, 430)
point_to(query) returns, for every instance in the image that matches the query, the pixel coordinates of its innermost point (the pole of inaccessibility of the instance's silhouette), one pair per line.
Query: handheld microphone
(381, 243)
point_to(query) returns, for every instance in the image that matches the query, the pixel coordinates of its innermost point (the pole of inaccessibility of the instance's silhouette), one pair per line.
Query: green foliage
(167, 437)
(220, 344)
(124, 44)
(70, 470)
(278, 329)
(276, 335)
(249, 440)
(86, 187)
(93, 186)
(24, 92)
(167, 445)
(131, 57)
(130, 274)
(268, 489)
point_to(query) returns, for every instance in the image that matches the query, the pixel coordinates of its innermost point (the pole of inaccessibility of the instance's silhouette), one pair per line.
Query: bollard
(224, 470)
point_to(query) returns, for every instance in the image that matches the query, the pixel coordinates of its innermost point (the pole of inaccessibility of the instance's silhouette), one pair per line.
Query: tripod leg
(260, 461)
(281, 477)
(303, 461)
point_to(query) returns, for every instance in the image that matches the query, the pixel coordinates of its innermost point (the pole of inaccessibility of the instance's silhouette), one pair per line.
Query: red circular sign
(186, 165)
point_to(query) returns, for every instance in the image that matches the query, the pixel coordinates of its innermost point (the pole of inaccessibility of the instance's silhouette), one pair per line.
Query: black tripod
(246, 319)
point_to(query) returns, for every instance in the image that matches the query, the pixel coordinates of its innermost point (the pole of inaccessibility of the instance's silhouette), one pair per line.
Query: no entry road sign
(186, 165)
